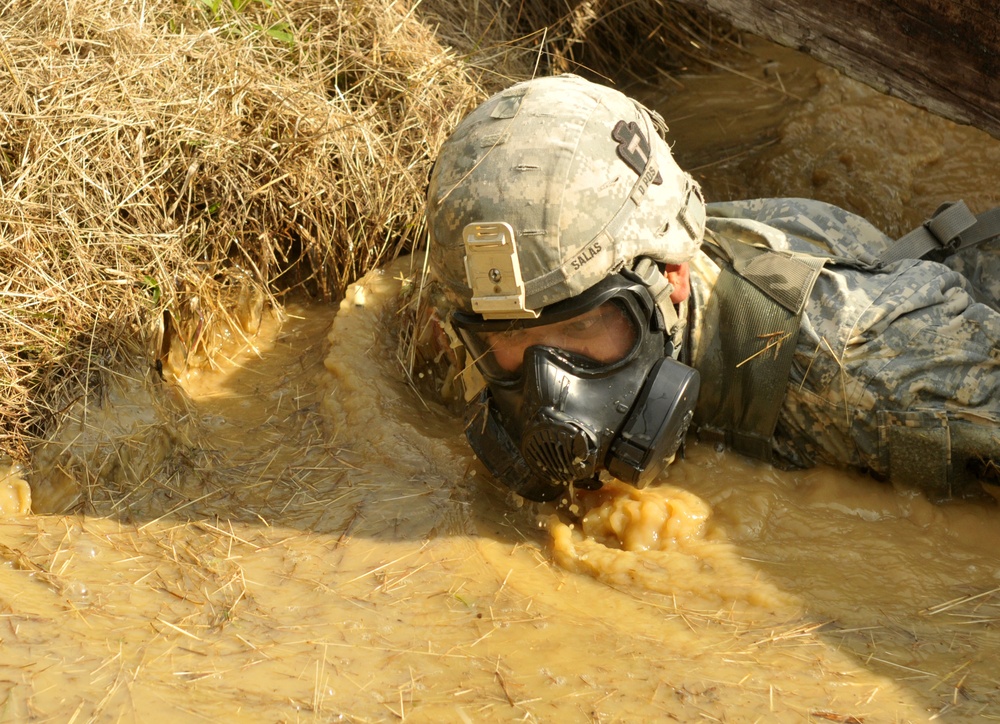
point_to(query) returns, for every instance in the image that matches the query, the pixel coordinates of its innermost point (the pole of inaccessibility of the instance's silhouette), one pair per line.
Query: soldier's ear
(679, 275)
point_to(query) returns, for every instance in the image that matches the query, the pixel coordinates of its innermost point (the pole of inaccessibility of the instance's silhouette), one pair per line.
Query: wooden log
(942, 55)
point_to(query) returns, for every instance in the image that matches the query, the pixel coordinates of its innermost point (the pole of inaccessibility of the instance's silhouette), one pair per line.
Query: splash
(663, 540)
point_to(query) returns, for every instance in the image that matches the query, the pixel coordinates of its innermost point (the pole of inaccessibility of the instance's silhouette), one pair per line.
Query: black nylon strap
(952, 227)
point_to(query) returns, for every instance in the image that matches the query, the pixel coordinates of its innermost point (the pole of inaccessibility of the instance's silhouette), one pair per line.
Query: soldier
(607, 308)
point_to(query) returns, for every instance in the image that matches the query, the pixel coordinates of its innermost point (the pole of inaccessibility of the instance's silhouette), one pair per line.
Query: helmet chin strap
(660, 289)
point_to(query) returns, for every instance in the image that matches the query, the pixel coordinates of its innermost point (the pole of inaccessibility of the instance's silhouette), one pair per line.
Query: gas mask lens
(596, 338)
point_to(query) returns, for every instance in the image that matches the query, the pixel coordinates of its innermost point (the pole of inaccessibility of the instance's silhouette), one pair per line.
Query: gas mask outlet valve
(559, 450)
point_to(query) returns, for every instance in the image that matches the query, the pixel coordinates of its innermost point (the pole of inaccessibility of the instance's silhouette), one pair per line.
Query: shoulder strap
(951, 228)
(753, 318)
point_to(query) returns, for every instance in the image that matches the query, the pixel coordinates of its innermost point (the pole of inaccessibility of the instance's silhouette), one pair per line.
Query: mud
(301, 534)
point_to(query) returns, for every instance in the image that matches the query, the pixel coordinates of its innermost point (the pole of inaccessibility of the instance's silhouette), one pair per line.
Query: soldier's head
(553, 208)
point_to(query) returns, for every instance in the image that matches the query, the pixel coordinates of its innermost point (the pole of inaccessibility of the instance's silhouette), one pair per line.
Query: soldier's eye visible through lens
(582, 326)
(602, 335)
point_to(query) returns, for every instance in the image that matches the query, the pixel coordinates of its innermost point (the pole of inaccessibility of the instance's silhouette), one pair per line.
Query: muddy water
(300, 536)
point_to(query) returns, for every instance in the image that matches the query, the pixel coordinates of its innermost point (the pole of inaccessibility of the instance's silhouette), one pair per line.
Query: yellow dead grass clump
(165, 167)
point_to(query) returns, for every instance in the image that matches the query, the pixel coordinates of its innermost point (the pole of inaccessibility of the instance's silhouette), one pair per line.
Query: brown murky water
(299, 536)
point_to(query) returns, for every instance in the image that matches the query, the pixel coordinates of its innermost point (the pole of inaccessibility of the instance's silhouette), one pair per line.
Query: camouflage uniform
(555, 185)
(911, 350)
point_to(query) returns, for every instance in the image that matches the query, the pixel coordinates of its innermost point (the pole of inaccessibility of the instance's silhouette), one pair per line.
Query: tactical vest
(756, 310)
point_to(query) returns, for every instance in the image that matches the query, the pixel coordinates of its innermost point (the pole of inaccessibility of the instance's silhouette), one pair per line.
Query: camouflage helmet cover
(579, 175)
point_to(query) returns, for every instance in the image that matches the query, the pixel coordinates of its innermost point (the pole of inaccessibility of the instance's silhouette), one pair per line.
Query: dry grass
(638, 39)
(165, 168)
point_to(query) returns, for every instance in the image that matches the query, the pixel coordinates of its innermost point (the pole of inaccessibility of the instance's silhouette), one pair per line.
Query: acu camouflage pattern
(558, 159)
(896, 371)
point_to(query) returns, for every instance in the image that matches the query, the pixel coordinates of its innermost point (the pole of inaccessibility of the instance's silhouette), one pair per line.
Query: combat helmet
(555, 183)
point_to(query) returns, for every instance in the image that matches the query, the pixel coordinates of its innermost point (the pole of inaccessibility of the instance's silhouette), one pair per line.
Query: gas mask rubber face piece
(589, 385)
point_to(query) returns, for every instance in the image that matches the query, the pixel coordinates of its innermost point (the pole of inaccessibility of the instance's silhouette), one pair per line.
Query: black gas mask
(590, 385)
